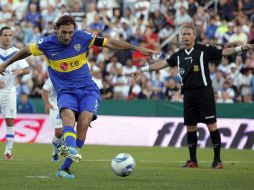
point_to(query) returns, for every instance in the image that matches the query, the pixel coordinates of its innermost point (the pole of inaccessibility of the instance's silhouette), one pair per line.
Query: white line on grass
(179, 161)
(155, 161)
(38, 177)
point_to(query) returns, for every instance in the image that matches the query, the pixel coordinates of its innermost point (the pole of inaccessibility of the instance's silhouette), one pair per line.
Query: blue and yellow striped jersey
(67, 64)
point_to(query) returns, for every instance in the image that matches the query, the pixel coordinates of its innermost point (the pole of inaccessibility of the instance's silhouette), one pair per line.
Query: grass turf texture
(157, 168)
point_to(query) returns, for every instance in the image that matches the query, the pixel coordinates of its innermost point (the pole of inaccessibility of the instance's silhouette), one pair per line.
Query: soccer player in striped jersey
(8, 98)
(77, 95)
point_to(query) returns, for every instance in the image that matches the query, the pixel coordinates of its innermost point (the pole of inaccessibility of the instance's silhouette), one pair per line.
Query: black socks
(216, 140)
(192, 140)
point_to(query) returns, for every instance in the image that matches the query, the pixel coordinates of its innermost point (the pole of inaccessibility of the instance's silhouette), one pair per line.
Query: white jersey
(9, 78)
(48, 86)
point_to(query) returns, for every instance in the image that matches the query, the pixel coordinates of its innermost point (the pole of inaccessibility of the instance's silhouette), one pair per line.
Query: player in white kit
(49, 97)
(8, 100)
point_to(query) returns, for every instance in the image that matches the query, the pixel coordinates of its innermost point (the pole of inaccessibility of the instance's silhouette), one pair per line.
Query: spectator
(183, 17)
(77, 13)
(244, 82)
(218, 81)
(106, 90)
(211, 29)
(33, 15)
(226, 94)
(239, 37)
(24, 105)
(226, 36)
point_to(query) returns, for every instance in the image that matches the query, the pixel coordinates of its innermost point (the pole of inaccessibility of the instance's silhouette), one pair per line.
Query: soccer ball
(123, 164)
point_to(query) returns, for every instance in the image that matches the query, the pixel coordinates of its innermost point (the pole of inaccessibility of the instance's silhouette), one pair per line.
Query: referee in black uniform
(199, 104)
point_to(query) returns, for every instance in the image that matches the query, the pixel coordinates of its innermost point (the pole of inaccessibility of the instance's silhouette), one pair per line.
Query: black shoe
(217, 165)
(190, 164)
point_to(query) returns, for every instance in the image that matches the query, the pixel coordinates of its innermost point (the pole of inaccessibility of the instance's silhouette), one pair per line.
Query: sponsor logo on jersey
(64, 66)
(77, 47)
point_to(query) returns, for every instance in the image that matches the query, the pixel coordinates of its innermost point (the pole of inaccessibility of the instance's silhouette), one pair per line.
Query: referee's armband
(100, 41)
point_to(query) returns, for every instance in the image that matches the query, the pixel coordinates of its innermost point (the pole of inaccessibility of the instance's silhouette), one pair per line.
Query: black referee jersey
(193, 65)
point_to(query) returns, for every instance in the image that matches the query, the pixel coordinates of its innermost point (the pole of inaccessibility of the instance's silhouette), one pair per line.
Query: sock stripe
(9, 136)
(69, 134)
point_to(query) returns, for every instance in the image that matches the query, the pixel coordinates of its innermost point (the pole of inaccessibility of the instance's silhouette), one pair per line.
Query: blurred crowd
(149, 23)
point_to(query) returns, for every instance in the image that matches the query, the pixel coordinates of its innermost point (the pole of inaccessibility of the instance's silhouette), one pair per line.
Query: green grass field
(157, 168)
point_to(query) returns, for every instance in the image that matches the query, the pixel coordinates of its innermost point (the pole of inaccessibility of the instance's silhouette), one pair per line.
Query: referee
(199, 104)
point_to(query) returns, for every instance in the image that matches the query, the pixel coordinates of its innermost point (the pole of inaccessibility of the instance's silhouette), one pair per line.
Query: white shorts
(8, 105)
(54, 119)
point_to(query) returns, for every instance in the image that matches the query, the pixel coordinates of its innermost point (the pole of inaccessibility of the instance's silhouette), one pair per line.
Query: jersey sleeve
(172, 60)
(214, 53)
(35, 50)
(48, 85)
(92, 39)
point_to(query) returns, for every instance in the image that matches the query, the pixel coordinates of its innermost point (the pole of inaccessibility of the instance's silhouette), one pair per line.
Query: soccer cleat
(69, 152)
(55, 158)
(8, 156)
(65, 173)
(190, 164)
(217, 165)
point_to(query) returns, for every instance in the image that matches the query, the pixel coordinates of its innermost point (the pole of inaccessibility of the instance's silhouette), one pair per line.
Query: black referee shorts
(199, 106)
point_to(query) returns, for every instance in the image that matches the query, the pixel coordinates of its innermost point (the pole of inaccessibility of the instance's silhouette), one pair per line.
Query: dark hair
(190, 26)
(65, 20)
(4, 28)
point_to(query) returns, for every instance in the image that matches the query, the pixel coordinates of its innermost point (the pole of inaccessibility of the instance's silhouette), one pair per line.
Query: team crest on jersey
(64, 66)
(40, 41)
(77, 47)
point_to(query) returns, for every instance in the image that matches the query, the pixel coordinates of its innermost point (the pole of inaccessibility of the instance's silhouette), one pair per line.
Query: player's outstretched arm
(231, 51)
(154, 67)
(122, 45)
(25, 52)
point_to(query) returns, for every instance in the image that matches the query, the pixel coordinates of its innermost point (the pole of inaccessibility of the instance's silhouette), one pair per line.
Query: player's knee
(212, 127)
(58, 133)
(68, 120)
(9, 122)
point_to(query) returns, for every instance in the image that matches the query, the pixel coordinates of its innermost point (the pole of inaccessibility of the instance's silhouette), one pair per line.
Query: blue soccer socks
(79, 144)
(69, 136)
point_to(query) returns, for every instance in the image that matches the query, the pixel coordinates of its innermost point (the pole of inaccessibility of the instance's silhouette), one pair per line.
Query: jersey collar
(189, 52)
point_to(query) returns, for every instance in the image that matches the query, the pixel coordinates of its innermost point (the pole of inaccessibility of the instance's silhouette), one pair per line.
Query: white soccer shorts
(8, 104)
(54, 119)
